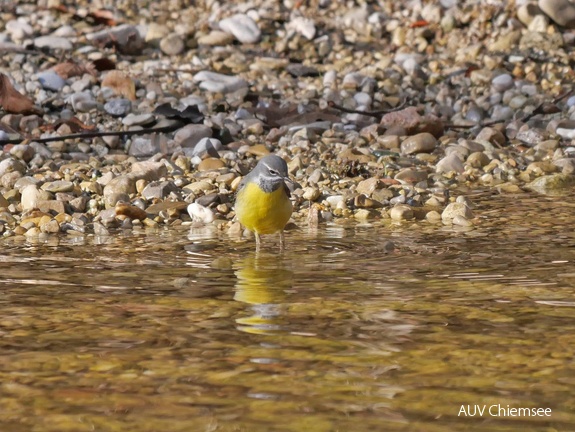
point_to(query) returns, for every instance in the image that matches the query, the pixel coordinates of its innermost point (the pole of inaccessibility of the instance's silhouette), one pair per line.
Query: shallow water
(192, 331)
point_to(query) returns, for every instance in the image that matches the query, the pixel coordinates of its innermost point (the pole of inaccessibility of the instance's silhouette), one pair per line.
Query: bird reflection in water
(262, 282)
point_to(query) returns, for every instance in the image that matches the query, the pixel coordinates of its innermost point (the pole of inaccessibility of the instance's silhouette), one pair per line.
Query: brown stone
(211, 164)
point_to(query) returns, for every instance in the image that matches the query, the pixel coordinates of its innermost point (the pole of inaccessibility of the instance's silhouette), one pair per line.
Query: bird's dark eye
(273, 172)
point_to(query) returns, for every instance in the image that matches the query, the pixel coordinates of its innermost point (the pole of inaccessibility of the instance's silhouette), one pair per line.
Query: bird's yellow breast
(262, 212)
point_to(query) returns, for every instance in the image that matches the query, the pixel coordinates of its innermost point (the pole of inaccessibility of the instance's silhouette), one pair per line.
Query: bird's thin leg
(258, 242)
(282, 241)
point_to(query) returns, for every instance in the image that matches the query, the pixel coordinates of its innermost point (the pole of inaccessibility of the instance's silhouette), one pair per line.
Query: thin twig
(84, 135)
(538, 110)
(376, 114)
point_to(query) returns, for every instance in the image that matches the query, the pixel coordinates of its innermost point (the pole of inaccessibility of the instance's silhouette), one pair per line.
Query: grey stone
(19, 29)
(143, 147)
(502, 82)
(118, 107)
(159, 189)
(527, 12)
(560, 11)
(127, 38)
(191, 134)
(205, 146)
(450, 163)
(138, 119)
(82, 102)
(50, 80)
(172, 44)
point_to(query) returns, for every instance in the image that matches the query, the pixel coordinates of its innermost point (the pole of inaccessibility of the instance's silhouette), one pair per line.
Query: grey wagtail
(263, 199)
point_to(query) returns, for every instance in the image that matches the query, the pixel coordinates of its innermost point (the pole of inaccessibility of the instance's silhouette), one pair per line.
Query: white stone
(53, 42)
(242, 27)
(199, 213)
(304, 26)
(219, 83)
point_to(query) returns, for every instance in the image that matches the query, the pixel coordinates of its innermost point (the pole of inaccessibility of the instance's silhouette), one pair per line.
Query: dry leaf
(70, 69)
(122, 84)
(103, 16)
(13, 101)
(74, 123)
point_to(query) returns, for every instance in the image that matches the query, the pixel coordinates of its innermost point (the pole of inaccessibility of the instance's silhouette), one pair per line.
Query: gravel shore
(387, 112)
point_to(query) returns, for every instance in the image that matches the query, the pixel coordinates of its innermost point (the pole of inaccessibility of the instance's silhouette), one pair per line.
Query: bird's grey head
(271, 172)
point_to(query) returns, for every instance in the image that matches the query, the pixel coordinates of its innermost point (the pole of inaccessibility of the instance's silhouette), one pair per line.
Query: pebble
(172, 44)
(83, 102)
(420, 143)
(211, 164)
(502, 82)
(50, 80)
(130, 211)
(138, 119)
(456, 209)
(216, 38)
(18, 29)
(199, 213)
(118, 107)
(204, 146)
(53, 43)
(242, 27)
(24, 152)
(159, 190)
(58, 186)
(433, 216)
(334, 200)
(126, 38)
(220, 83)
(461, 221)
(552, 184)
(191, 134)
(476, 160)
(450, 163)
(401, 212)
(560, 11)
(49, 226)
(411, 176)
(304, 26)
(311, 194)
(31, 196)
(368, 186)
(364, 214)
